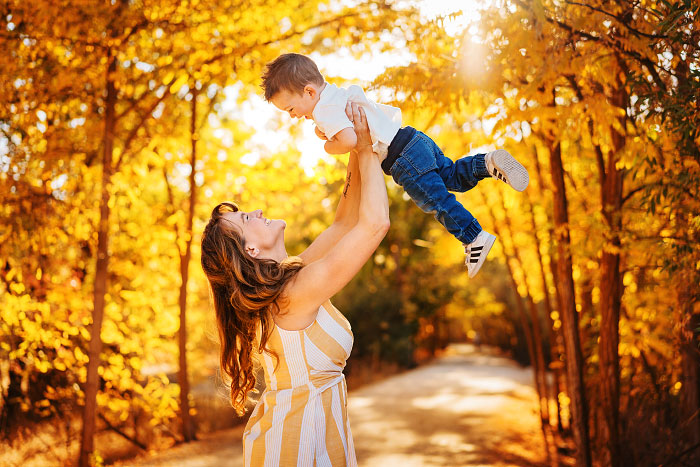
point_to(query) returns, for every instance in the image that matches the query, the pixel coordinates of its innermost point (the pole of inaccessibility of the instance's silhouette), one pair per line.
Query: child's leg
(430, 194)
(460, 175)
(464, 173)
(416, 171)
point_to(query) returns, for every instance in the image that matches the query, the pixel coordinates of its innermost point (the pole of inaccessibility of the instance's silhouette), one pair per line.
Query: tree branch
(118, 431)
(40, 36)
(645, 62)
(135, 102)
(132, 134)
(284, 37)
(633, 30)
(633, 192)
(598, 151)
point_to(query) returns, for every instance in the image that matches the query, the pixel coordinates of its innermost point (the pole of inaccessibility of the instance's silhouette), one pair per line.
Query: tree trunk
(188, 428)
(551, 335)
(588, 312)
(556, 338)
(532, 336)
(538, 362)
(100, 288)
(538, 347)
(690, 353)
(569, 316)
(611, 297)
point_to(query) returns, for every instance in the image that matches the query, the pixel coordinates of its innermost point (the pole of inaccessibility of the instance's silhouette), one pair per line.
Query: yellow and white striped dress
(301, 419)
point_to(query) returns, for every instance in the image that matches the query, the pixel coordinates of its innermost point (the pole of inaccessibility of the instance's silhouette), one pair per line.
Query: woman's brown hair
(246, 294)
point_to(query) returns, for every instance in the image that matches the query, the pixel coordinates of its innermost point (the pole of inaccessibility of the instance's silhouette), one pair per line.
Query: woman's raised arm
(321, 279)
(346, 213)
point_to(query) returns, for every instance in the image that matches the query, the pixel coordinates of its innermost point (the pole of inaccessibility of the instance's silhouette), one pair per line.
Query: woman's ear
(252, 251)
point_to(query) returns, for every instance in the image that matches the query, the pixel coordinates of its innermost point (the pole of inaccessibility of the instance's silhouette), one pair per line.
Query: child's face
(295, 104)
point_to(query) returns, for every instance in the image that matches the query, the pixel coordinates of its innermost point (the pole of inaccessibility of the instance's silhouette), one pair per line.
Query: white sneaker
(503, 166)
(477, 251)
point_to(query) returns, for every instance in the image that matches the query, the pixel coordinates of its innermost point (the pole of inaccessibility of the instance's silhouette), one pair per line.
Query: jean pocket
(418, 156)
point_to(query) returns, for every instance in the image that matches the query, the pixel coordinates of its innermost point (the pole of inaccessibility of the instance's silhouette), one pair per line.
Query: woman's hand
(359, 120)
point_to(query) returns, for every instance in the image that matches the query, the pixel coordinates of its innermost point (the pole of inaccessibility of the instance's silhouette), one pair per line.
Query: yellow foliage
(523, 100)
(177, 85)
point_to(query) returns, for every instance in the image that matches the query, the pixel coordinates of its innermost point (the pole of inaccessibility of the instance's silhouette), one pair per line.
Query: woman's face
(262, 236)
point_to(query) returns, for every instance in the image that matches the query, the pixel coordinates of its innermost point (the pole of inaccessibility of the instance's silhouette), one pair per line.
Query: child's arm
(335, 123)
(319, 133)
(342, 142)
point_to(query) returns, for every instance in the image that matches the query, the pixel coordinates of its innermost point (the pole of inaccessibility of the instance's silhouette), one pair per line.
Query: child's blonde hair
(290, 72)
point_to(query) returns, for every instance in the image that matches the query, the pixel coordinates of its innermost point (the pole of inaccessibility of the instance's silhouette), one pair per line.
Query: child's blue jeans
(428, 177)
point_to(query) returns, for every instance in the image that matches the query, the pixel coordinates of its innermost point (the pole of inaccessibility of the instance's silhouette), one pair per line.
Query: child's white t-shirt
(384, 121)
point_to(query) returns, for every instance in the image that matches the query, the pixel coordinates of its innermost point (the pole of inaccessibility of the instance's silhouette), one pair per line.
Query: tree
(110, 70)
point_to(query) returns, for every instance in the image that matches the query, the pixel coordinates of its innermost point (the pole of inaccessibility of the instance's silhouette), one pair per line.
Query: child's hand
(320, 134)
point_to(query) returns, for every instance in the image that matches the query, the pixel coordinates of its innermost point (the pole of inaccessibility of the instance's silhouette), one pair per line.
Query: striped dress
(301, 418)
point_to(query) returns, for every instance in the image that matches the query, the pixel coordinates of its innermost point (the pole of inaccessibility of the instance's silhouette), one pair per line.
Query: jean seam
(402, 154)
(391, 169)
(427, 143)
(419, 172)
(476, 166)
(395, 173)
(409, 145)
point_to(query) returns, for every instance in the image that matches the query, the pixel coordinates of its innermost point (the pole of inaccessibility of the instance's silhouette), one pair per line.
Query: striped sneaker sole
(477, 255)
(509, 170)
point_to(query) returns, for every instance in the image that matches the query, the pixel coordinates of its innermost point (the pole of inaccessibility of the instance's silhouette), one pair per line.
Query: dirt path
(464, 409)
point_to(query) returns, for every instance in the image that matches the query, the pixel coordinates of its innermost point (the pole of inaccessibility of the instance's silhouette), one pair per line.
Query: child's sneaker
(503, 166)
(477, 251)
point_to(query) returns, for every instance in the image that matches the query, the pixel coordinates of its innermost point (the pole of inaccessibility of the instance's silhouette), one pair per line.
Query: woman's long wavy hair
(246, 294)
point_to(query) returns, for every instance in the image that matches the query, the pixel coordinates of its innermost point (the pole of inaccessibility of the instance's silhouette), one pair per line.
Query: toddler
(293, 84)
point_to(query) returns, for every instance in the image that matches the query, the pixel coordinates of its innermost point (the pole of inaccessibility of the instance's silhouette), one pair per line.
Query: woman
(275, 310)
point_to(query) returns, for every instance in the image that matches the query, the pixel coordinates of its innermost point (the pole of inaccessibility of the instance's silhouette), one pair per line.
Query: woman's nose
(258, 213)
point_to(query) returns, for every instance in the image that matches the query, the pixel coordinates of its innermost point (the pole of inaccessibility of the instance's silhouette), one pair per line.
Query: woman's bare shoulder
(296, 311)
